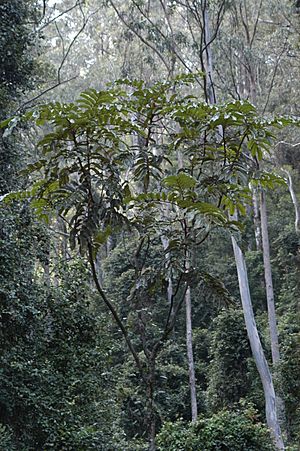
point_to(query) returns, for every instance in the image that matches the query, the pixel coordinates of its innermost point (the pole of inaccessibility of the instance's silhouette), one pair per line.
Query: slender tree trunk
(165, 243)
(150, 396)
(256, 218)
(190, 355)
(46, 267)
(256, 347)
(294, 200)
(271, 302)
(208, 65)
(268, 280)
(61, 226)
(189, 332)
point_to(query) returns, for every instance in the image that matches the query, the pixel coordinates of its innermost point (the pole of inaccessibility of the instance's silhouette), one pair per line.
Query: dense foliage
(124, 204)
(18, 66)
(236, 430)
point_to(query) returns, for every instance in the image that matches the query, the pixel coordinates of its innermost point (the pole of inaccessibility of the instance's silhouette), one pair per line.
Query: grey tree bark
(294, 200)
(257, 230)
(165, 243)
(256, 347)
(268, 280)
(271, 302)
(190, 354)
(189, 333)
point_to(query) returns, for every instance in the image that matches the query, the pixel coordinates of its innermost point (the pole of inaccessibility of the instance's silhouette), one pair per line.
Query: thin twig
(21, 107)
(66, 54)
(274, 76)
(256, 23)
(60, 15)
(147, 43)
(85, 21)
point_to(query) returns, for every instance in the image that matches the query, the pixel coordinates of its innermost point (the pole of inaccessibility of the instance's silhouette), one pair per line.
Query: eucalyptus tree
(257, 75)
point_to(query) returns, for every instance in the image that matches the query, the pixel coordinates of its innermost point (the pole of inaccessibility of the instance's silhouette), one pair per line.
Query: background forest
(149, 225)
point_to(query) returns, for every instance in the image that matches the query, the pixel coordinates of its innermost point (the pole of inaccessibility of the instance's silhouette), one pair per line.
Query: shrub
(226, 430)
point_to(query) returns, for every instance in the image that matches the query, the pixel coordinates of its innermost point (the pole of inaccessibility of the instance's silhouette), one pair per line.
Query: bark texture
(257, 350)
(190, 355)
(271, 302)
(268, 280)
(294, 200)
(256, 218)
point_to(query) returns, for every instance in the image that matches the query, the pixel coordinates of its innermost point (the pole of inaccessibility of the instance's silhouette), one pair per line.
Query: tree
(19, 71)
(94, 190)
(89, 44)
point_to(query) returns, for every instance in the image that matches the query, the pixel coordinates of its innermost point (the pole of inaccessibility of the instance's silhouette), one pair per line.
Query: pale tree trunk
(165, 243)
(256, 347)
(257, 231)
(189, 341)
(271, 301)
(189, 332)
(262, 239)
(63, 248)
(294, 200)
(190, 355)
(150, 396)
(268, 280)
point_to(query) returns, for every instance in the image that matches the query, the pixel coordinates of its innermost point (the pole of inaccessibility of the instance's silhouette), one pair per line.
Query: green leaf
(181, 181)
(102, 236)
(6, 122)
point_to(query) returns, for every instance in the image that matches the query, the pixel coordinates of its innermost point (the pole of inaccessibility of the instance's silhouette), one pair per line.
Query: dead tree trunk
(256, 347)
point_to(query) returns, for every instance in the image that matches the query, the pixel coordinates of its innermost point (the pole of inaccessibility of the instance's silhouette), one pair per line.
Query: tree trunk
(189, 332)
(151, 410)
(270, 301)
(208, 65)
(268, 280)
(256, 347)
(165, 243)
(257, 230)
(294, 200)
(190, 355)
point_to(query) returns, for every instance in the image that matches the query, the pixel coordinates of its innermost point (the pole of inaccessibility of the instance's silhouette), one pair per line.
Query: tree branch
(274, 76)
(147, 43)
(44, 92)
(65, 56)
(60, 15)
(114, 313)
(256, 24)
